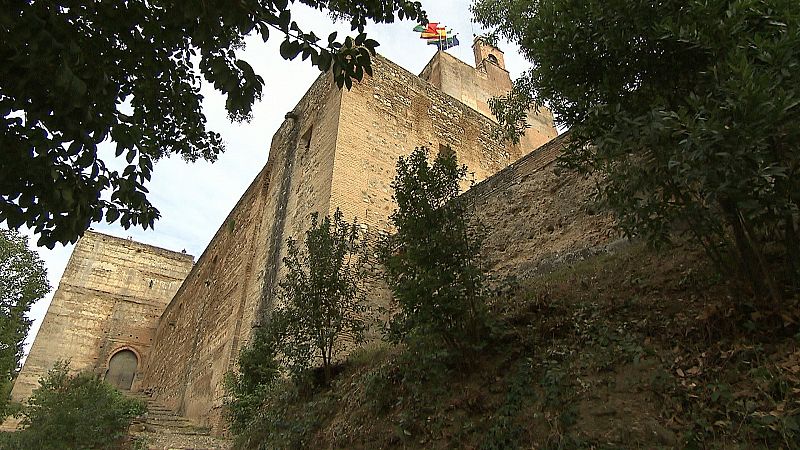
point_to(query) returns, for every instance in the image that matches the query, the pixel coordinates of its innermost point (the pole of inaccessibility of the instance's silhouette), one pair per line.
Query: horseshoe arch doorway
(122, 369)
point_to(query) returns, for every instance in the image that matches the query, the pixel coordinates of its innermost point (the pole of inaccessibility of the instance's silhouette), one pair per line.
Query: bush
(321, 304)
(74, 412)
(432, 261)
(246, 389)
(322, 298)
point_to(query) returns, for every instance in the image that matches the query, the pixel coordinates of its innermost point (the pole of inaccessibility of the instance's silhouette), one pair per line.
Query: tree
(23, 281)
(74, 411)
(322, 296)
(77, 73)
(432, 261)
(247, 388)
(688, 108)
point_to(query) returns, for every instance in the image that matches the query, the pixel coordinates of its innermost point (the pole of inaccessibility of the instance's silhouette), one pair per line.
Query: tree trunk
(774, 290)
(793, 251)
(327, 366)
(751, 260)
(745, 252)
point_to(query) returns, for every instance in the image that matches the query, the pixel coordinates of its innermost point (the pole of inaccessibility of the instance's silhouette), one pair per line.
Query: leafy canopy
(77, 73)
(432, 261)
(689, 109)
(23, 281)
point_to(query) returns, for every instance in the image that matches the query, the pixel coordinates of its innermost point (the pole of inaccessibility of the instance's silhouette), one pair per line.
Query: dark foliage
(78, 73)
(688, 108)
(431, 261)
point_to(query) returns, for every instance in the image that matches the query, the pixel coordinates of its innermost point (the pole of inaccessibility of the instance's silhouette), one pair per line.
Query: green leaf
(290, 49)
(112, 215)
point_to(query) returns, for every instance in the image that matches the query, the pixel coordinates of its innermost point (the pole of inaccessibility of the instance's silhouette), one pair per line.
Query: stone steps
(161, 428)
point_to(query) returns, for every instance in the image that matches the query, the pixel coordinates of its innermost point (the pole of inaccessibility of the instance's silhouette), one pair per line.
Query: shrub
(321, 303)
(322, 300)
(246, 389)
(432, 261)
(74, 412)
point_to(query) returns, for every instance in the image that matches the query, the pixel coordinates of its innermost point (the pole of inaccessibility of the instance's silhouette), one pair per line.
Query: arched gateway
(122, 369)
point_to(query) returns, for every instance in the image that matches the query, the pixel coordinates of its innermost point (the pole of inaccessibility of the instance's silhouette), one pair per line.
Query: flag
(433, 31)
(437, 35)
(430, 28)
(444, 44)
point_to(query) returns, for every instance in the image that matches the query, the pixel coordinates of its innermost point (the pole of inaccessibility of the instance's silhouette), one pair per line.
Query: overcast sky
(194, 198)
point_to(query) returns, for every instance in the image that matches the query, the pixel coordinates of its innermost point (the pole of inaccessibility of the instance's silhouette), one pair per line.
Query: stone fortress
(148, 319)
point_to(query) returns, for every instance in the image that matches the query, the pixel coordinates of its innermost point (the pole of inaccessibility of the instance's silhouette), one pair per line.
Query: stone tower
(335, 149)
(104, 313)
(474, 86)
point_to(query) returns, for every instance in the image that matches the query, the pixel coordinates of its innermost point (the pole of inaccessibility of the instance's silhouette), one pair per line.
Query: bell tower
(486, 53)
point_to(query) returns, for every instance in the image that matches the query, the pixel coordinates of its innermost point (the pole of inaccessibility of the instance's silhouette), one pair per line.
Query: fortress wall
(200, 319)
(212, 316)
(475, 86)
(110, 297)
(537, 215)
(387, 116)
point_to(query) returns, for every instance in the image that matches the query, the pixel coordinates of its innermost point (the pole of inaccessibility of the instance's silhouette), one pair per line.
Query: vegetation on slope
(73, 411)
(634, 350)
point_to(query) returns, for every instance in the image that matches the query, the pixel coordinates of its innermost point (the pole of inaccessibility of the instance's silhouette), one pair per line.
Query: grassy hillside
(634, 350)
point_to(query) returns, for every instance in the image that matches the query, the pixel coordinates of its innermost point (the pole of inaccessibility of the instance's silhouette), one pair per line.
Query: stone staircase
(162, 429)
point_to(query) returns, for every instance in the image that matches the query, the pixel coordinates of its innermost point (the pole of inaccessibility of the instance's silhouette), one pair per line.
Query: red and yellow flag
(432, 31)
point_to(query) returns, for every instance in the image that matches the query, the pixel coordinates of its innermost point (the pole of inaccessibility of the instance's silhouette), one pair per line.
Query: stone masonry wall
(336, 149)
(212, 316)
(387, 116)
(537, 216)
(110, 298)
(470, 85)
(475, 86)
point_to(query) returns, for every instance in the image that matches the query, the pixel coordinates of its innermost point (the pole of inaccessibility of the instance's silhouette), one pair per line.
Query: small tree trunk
(774, 290)
(326, 363)
(792, 251)
(745, 253)
(710, 248)
(751, 260)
